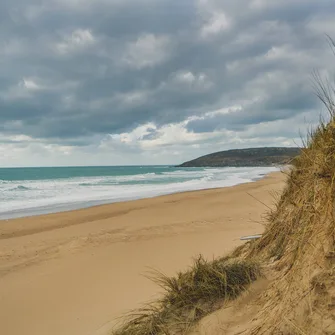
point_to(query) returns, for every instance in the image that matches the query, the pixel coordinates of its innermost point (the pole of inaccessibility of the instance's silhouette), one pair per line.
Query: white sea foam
(30, 197)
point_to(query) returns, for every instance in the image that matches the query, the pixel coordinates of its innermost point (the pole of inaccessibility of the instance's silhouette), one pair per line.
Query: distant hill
(245, 157)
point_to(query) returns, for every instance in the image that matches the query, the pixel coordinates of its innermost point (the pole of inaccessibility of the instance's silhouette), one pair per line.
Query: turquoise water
(30, 191)
(45, 173)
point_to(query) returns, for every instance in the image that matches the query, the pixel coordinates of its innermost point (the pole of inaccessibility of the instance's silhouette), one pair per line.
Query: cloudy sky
(96, 82)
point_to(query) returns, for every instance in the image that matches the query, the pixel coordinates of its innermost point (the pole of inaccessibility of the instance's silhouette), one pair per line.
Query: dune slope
(296, 254)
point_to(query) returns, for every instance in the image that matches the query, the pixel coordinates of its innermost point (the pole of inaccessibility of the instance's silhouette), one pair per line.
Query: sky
(120, 82)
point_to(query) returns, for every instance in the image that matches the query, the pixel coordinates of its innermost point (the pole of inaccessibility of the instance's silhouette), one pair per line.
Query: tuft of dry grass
(300, 234)
(298, 242)
(191, 295)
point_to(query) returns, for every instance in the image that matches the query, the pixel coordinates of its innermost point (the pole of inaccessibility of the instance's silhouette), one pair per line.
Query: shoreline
(76, 272)
(63, 208)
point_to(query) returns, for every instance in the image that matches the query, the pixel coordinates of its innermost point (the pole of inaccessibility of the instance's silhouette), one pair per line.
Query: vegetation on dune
(191, 295)
(299, 241)
(298, 248)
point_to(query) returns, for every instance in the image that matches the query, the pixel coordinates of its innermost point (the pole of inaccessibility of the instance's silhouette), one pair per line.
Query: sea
(41, 190)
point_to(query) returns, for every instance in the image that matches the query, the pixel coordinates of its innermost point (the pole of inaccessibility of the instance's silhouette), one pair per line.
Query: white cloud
(223, 111)
(21, 138)
(170, 135)
(29, 87)
(217, 112)
(213, 18)
(30, 84)
(187, 77)
(218, 22)
(148, 50)
(24, 152)
(79, 39)
(288, 54)
(135, 136)
(188, 80)
(175, 134)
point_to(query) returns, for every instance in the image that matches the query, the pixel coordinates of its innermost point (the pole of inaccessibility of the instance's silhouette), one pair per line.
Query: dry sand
(73, 273)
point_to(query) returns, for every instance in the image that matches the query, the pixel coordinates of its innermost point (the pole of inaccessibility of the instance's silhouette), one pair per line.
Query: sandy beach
(74, 273)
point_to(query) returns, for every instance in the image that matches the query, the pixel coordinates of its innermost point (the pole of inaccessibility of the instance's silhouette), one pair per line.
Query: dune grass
(299, 239)
(304, 215)
(190, 295)
(298, 242)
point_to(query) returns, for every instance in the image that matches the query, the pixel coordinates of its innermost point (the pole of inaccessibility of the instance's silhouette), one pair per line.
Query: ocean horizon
(28, 191)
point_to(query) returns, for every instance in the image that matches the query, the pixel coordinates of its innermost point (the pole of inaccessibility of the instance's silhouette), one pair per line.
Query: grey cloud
(30, 34)
(280, 106)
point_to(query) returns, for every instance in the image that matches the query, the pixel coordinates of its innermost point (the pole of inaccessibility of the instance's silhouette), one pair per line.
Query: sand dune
(73, 273)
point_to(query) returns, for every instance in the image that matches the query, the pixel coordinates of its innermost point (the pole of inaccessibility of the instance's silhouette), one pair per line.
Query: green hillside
(246, 157)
